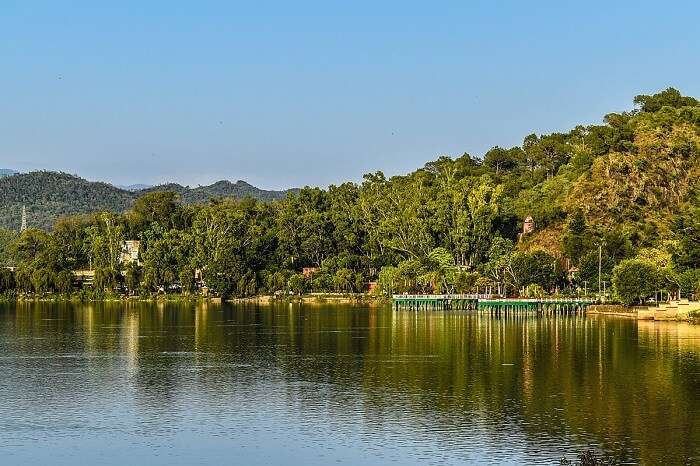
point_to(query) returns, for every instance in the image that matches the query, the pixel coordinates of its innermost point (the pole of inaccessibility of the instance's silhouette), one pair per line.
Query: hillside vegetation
(51, 195)
(625, 191)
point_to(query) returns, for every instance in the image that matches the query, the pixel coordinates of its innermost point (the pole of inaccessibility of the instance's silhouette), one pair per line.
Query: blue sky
(294, 93)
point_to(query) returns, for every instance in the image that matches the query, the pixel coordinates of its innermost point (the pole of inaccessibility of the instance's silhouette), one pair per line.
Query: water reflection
(175, 384)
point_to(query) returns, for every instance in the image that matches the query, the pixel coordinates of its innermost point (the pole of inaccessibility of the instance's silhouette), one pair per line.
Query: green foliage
(298, 284)
(577, 240)
(626, 186)
(687, 229)
(635, 280)
(133, 277)
(49, 196)
(669, 97)
(534, 268)
(7, 281)
(64, 282)
(42, 280)
(689, 283)
(187, 279)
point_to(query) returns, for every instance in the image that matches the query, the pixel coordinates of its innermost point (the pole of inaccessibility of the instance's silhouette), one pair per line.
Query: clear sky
(292, 93)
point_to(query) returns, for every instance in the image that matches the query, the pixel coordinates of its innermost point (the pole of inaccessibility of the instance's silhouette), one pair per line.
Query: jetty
(490, 303)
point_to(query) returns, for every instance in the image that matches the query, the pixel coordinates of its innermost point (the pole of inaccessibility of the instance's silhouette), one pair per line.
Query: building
(130, 252)
(84, 277)
(309, 272)
(528, 225)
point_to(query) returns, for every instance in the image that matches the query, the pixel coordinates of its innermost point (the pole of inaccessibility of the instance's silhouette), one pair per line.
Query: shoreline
(310, 298)
(667, 312)
(679, 311)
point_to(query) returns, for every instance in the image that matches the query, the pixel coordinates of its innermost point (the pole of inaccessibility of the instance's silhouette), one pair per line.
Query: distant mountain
(133, 187)
(6, 172)
(200, 194)
(50, 195)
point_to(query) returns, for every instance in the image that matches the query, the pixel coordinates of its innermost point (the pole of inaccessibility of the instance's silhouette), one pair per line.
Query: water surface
(185, 384)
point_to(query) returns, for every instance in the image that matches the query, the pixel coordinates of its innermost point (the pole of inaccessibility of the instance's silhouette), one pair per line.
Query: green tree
(343, 280)
(133, 277)
(538, 268)
(7, 281)
(7, 238)
(635, 280)
(669, 97)
(42, 279)
(29, 245)
(187, 281)
(64, 281)
(500, 159)
(689, 283)
(298, 284)
(162, 207)
(576, 240)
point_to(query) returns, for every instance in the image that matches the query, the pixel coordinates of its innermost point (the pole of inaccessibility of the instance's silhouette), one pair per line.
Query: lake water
(318, 385)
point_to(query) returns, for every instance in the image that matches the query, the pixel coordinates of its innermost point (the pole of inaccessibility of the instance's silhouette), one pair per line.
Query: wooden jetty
(491, 303)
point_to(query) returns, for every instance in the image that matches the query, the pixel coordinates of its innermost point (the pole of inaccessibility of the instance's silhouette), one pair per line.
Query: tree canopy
(607, 200)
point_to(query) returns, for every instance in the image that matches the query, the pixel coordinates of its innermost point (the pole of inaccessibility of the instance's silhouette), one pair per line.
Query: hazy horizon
(313, 93)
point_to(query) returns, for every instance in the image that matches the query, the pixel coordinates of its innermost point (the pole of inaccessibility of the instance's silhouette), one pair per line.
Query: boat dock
(491, 303)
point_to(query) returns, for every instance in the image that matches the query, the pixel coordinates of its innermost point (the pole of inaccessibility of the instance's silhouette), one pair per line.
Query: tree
(500, 159)
(669, 97)
(133, 277)
(687, 228)
(7, 281)
(64, 281)
(634, 280)
(42, 279)
(689, 283)
(499, 257)
(538, 268)
(343, 280)
(162, 207)
(297, 284)
(187, 281)
(438, 270)
(389, 281)
(29, 244)
(106, 279)
(6, 239)
(576, 240)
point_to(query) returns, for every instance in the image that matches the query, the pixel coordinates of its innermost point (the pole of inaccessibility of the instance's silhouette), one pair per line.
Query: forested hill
(50, 195)
(240, 189)
(616, 202)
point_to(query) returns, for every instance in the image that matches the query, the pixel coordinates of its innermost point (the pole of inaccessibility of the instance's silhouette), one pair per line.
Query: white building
(130, 252)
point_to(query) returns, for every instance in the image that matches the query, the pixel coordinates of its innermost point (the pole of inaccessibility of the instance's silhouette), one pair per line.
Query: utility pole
(585, 287)
(600, 264)
(24, 219)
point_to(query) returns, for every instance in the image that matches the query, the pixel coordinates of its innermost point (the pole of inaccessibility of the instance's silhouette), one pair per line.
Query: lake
(166, 384)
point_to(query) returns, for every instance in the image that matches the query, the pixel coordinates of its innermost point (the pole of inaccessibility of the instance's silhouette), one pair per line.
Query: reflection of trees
(588, 380)
(628, 385)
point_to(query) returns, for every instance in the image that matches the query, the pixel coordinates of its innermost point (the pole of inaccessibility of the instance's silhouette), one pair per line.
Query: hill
(568, 212)
(134, 187)
(224, 188)
(6, 172)
(50, 195)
